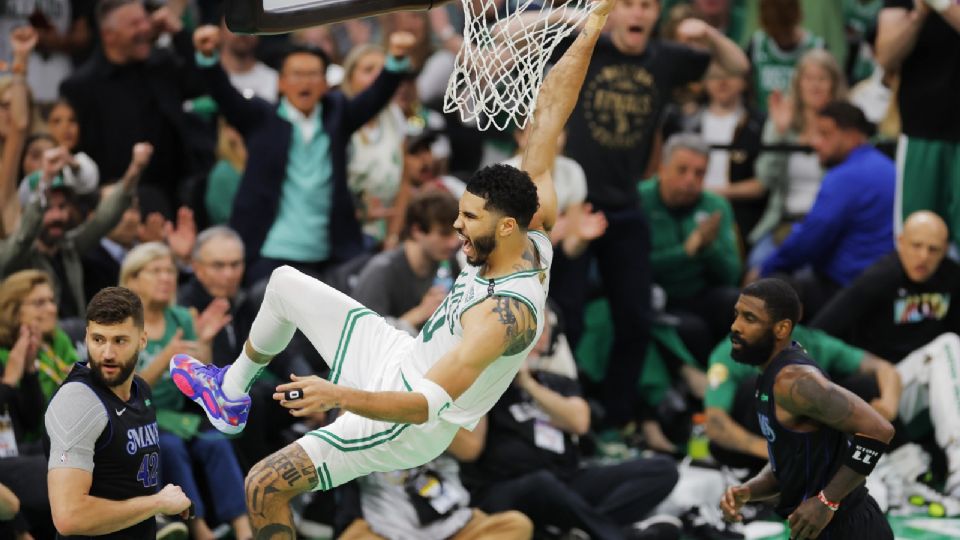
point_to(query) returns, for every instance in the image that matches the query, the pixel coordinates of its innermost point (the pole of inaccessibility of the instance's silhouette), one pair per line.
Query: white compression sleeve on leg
(437, 398)
(272, 329)
(945, 389)
(240, 376)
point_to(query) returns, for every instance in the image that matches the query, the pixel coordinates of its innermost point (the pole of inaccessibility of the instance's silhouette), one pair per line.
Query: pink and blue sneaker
(202, 384)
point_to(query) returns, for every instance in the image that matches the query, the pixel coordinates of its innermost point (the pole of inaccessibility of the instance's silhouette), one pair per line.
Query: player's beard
(483, 246)
(753, 354)
(125, 370)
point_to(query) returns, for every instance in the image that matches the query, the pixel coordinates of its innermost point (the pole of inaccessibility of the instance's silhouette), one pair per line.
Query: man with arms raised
(405, 398)
(822, 439)
(104, 444)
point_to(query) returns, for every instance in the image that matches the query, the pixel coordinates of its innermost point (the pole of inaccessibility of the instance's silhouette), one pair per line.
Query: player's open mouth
(467, 244)
(635, 29)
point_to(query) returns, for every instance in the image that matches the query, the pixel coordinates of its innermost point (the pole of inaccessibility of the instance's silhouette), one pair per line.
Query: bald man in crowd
(902, 309)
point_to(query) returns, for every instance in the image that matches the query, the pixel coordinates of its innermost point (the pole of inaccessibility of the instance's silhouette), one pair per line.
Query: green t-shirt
(681, 275)
(167, 398)
(301, 229)
(222, 184)
(55, 360)
(725, 374)
(773, 67)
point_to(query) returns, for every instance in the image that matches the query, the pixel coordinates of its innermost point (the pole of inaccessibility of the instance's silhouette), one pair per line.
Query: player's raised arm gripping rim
(555, 102)
(405, 398)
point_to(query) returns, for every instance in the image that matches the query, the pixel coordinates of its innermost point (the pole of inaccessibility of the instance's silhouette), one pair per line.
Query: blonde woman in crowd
(28, 325)
(375, 160)
(792, 177)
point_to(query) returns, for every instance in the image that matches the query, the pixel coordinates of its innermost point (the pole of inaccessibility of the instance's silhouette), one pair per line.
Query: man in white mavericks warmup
(406, 397)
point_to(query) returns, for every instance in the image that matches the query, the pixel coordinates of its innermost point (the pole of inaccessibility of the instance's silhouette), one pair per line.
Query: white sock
(240, 376)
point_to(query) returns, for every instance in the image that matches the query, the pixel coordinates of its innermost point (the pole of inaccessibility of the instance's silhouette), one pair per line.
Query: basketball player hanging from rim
(822, 439)
(404, 398)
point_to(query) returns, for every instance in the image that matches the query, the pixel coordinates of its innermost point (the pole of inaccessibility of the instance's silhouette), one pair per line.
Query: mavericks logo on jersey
(142, 437)
(766, 429)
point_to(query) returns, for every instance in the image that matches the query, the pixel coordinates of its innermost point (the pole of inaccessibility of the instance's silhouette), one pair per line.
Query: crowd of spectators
(144, 144)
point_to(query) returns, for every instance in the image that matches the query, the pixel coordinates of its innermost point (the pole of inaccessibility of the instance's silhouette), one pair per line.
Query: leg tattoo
(271, 484)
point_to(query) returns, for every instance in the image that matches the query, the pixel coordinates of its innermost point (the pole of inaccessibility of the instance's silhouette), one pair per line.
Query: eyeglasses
(40, 302)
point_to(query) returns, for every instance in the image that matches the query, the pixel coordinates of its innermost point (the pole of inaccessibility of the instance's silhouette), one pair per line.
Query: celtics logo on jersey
(439, 317)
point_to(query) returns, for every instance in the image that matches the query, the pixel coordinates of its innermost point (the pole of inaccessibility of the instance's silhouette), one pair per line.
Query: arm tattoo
(519, 321)
(818, 399)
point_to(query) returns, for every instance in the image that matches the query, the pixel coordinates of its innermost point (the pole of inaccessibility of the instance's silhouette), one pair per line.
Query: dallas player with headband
(405, 398)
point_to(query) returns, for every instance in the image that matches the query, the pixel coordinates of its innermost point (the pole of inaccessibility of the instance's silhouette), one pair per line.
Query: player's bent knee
(282, 273)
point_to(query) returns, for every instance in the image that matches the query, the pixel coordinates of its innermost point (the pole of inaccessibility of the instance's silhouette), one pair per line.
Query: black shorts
(866, 522)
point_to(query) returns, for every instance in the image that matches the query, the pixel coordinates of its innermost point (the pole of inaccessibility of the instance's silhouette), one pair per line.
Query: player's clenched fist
(733, 500)
(206, 39)
(401, 43)
(171, 500)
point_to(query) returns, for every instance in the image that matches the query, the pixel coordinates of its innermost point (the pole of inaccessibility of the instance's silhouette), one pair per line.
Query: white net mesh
(499, 69)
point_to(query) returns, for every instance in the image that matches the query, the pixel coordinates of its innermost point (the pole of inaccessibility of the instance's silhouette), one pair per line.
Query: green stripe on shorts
(332, 439)
(345, 335)
(326, 471)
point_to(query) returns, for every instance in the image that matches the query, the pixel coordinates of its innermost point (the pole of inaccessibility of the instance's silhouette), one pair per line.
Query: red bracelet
(831, 505)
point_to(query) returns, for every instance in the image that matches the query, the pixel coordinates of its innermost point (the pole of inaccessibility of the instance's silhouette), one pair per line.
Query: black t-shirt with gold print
(611, 130)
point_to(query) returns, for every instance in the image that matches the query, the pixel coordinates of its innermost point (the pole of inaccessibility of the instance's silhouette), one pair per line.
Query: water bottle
(698, 447)
(444, 277)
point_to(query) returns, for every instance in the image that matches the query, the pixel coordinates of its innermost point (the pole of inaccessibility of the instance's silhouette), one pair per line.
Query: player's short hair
(848, 116)
(685, 141)
(779, 299)
(432, 208)
(113, 305)
(507, 190)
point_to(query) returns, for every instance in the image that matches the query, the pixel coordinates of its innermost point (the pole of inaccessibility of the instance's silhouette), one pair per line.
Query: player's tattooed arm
(269, 487)
(519, 323)
(804, 391)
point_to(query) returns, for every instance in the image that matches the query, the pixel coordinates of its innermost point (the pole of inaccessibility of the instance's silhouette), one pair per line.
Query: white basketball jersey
(443, 331)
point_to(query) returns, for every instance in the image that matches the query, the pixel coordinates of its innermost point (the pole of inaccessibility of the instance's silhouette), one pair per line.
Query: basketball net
(500, 67)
